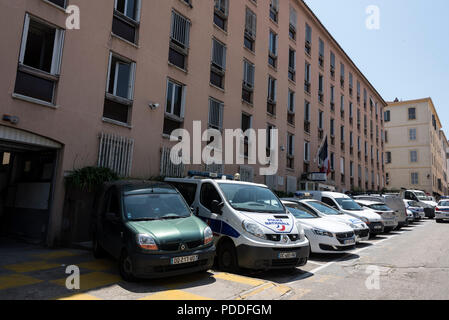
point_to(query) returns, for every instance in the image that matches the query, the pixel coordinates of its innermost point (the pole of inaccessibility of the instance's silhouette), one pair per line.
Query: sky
(407, 57)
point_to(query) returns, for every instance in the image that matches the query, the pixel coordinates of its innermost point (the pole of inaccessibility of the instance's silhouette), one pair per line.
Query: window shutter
(218, 54)
(248, 74)
(180, 29)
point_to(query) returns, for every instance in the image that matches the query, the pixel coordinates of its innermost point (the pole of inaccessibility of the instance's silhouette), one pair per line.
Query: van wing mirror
(217, 207)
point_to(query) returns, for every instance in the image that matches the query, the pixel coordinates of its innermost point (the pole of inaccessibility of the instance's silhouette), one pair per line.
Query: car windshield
(155, 207)
(444, 204)
(299, 212)
(379, 207)
(323, 208)
(251, 198)
(348, 204)
(421, 196)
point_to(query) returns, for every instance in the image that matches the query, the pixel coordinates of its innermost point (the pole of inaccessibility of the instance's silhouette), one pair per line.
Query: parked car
(415, 208)
(361, 230)
(410, 217)
(252, 227)
(442, 211)
(324, 235)
(150, 229)
(423, 200)
(347, 205)
(388, 215)
(393, 201)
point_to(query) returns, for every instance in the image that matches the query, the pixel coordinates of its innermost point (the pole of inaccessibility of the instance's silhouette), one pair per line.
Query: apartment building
(416, 147)
(111, 93)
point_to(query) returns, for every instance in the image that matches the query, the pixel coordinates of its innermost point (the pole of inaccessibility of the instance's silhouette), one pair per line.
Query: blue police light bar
(211, 175)
(303, 195)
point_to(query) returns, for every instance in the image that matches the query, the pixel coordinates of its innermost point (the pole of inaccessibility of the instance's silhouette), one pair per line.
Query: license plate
(187, 259)
(287, 255)
(377, 227)
(351, 241)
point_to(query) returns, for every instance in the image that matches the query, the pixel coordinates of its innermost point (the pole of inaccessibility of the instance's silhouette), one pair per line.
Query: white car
(388, 215)
(442, 211)
(361, 230)
(325, 235)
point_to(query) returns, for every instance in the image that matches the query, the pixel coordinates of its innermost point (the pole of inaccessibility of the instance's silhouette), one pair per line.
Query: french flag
(323, 158)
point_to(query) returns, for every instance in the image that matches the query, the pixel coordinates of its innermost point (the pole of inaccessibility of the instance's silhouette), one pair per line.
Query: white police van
(252, 228)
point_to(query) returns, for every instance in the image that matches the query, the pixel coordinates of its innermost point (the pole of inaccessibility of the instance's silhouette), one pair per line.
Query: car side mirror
(216, 207)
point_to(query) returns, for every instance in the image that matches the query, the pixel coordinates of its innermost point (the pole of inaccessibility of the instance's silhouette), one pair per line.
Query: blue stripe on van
(221, 227)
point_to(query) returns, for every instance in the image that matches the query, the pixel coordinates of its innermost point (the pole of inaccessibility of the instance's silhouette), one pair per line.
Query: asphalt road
(410, 264)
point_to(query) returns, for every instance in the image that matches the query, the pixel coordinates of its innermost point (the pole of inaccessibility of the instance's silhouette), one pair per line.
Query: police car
(325, 235)
(388, 215)
(361, 230)
(252, 228)
(442, 211)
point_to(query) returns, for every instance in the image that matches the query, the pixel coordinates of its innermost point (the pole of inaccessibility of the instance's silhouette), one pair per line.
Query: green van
(148, 227)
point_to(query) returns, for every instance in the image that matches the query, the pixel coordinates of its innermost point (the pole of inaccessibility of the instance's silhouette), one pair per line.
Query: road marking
(56, 254)
(253, 292)
(174, 295)
(314, 262)
(31, 266)
(93, 280)
(81, 296)
(240, 279)
(16, 280)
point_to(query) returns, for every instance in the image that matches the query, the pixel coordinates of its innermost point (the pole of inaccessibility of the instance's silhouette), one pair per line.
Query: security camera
(154, 106)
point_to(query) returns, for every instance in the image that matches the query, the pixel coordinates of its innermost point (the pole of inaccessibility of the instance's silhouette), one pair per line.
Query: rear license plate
(287, 255)
(377, 227)
(350, 241)
(187, 259)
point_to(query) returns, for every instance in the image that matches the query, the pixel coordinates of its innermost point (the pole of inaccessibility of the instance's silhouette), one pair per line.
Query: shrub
(90, 178)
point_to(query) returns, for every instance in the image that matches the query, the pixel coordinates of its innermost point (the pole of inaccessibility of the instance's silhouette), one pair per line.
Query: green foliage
(90, 178)
(283, 194)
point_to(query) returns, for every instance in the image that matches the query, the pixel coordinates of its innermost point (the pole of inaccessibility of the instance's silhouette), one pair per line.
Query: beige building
(416, 147)
(110, 93)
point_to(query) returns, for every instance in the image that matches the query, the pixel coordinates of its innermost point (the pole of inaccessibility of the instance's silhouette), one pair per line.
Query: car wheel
(227, 258)
(126, 267)
(97, 249)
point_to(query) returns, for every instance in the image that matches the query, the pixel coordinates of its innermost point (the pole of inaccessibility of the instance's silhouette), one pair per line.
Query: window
(308, 44)
(332, 55)
(215, 114)
(358, 91)
(120, 89)
(179, 40)
(342, 106)
(306, 116)
(365, 98)
(332, 98)
(271, 101)
(342, 134)
(307, 78)
(292, 64)
(126, 19)
(218, 64)
(39, 60)
(351, 169)
(60, 3)
(208, 194)
(412, 134)
(332, 161)
(351, 111)
(221, 14)
(269, 128)
(342, 75)
(332, 127)
(274, 10)
(246, 124)
(414, 156)
(320, 88)
(293, 23)
(387, 116)
(248, 81)
(412, 113)
(250, 30)
(321, 54)
(290, 151)
(320, 120)
(174, 109)
(351, 84)
(306, 151)
(415, 178)
(291, 107)
(272, 50)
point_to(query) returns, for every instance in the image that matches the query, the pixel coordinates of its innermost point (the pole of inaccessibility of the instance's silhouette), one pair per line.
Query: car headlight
(208, 235)
(146, 242)
(253, 229)
(354, 226)
(323, 233)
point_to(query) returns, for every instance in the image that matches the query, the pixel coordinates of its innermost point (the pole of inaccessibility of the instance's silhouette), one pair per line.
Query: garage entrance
(27, 171)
